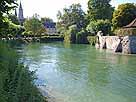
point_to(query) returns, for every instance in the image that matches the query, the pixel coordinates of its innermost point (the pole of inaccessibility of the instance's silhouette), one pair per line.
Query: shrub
(16, 81)
(81, 37)
(92, 40)
(73, 30)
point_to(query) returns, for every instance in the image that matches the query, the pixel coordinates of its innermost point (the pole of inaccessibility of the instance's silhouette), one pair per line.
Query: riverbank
(16, 80)
(49, 94)
(43, 39)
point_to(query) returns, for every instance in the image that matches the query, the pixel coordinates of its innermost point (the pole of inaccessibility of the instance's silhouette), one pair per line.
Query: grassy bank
(16, 81)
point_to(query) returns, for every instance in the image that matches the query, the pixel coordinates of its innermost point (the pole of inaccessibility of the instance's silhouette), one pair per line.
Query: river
(81, 73)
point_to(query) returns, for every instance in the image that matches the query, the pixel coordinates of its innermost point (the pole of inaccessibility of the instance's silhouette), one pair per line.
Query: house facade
(50, 27)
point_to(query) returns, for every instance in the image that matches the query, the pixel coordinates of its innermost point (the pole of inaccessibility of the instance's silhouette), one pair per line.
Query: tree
(11, 29)
(34, 25)
(74, 15)
(71, 21)
(124, 14)
(99, 25)
(59, 15)
(13, 18)
(46, 19)
(5, 7)
(99, 9)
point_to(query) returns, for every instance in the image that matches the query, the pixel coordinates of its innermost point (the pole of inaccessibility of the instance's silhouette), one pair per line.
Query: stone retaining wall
(125, 44)
(129, 45)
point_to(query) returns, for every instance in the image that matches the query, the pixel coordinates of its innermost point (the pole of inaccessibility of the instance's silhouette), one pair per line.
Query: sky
(49, 8)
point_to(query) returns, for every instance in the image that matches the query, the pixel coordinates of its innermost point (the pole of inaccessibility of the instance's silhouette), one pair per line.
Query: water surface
(81, 73)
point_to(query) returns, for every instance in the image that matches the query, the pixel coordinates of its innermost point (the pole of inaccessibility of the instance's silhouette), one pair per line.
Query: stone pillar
(101, 40)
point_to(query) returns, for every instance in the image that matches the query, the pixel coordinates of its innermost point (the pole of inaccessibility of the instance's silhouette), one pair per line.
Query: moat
(81, 73)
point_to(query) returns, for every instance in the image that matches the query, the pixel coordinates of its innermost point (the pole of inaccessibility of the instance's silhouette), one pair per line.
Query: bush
(73, 30)
(81, 37)
(16, 81)
(126, 31)
(99, 25)
(92, 40)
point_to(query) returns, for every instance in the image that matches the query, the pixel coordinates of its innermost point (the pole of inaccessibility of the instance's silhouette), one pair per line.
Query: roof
(131, 25)
(49, 25)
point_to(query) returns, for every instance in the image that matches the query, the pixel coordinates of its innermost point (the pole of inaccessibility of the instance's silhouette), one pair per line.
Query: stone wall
(129, 45)
(111, 43)
(125, 44)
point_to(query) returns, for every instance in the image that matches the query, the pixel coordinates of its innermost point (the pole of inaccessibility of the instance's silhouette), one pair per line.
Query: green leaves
(73, 15)
(71, 21)
(16, 81)
(13, 18)
(99, 9)
(5, 7)
(100, 15)
(124, 14)
(10, 28)
(99, 25)
(34, 25)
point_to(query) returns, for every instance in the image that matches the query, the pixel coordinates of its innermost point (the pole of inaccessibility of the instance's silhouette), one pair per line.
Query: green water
(81, 73)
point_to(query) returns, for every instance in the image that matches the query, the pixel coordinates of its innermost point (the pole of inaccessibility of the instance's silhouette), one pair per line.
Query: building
(50, 27)
(20, 14)
(131, 25)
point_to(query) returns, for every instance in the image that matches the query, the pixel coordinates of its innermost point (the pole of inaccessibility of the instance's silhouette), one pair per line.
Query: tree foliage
(11, 29)
(99, 25)
(74, 15)
(99, 9)
(13, 18)
(100, 15)
(124, 14)
(34, 25)
(46, 19)
(5, 7)
(71, 21)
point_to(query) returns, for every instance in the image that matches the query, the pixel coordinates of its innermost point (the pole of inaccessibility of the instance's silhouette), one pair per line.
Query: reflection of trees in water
(33, 50)
(122, 73)
(71, 59)
(82, 59)
(98, 71)
(32, 54)
(85, 69)
(121, 63)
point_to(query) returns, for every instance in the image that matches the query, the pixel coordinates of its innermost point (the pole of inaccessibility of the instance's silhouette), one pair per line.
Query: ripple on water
(80, 73)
